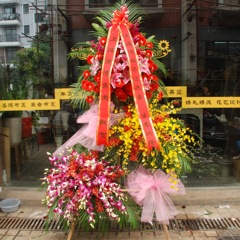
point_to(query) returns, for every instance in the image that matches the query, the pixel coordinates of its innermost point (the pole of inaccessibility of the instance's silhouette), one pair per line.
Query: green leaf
(100, 31)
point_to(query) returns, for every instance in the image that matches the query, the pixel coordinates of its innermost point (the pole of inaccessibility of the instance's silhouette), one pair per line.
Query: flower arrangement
(126, 121)
(80, 182)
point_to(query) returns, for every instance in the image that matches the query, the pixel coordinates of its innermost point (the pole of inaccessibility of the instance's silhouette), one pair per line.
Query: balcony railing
(10, 40)
(9, 1)
(9, 17)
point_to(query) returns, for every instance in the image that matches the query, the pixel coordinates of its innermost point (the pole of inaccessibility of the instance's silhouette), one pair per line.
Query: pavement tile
(43, 236)
(123, 234)
(159, 234)
(200, 238)
(7, 237)
(211, 233)
(60, 234)
(147, 234)
(3, 231)
(36, 233)
(136, 234)
(12, 232)
(24, 233)
(95, 235)
(185, 234)
(110, 235)
(21, 238)
(198, 233)
(213, 238)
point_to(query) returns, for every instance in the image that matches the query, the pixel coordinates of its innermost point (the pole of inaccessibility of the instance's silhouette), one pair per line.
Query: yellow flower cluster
(176, 140)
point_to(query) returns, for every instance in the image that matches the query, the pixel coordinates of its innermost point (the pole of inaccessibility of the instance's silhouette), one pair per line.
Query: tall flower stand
(71, 231)
(73, 225)
(165, 229)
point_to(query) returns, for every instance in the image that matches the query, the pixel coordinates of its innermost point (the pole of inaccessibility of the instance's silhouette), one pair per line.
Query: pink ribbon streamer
(86, 135)
(151, 192)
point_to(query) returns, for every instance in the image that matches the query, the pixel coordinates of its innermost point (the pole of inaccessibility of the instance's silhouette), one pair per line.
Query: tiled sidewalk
(35, 168)
(189, 212)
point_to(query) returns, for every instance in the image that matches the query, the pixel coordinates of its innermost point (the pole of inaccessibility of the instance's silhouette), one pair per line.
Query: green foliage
(134, 10)
(29, 61)
(12, 88)
(129, 220)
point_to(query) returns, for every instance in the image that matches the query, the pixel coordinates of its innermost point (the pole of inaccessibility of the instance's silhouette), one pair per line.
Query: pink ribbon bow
(151, 192)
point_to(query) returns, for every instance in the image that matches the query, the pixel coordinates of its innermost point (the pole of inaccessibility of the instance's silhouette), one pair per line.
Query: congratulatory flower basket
(126, 159)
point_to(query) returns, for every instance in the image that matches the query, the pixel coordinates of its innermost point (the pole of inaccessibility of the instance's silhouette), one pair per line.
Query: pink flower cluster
(80, 182)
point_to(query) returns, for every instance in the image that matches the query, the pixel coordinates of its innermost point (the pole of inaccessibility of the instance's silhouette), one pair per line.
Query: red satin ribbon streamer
(120, 28)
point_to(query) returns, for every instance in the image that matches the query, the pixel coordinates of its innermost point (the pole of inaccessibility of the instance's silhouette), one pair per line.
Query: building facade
(19, 23)
(204, 38)
(205, 43)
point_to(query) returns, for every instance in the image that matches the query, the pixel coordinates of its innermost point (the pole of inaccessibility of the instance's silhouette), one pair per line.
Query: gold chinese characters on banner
(211, 102)
(171, 92)
(29, 104)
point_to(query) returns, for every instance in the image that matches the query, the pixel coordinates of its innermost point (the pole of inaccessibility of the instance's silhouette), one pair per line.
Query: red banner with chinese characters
(120, 29)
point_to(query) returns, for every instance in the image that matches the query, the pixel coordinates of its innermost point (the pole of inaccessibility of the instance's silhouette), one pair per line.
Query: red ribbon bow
(120, 28)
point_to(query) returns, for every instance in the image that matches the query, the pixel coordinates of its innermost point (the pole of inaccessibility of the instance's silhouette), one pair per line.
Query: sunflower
(163, 45)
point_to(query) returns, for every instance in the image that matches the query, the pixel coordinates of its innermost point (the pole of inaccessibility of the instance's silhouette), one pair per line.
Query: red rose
(149, 53)
(154, 86)
(160, 95)
(97, 77)
(141, 39)
(120, 94)
(89, 59)
(154, 78)
(88, 86)
(96, 89)
(86, 74)
(84, 84)
(99, 56)
(128, 89)
(148, 94)
(149, 45)
(103, 41)
(152, 66)
(89, 99)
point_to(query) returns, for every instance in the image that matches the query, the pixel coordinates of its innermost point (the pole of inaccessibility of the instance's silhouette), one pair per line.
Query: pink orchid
(143, 64)
(146, 83)
(120, 66)
(116, 79)
(121, 47)
(95, 66)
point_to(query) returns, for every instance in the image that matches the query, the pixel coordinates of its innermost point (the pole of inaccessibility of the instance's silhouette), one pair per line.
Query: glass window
(39, 17)
(25, 8)
(103, 3)
(9, 9)
(11, 34)
(11, 54)
(26, 29)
